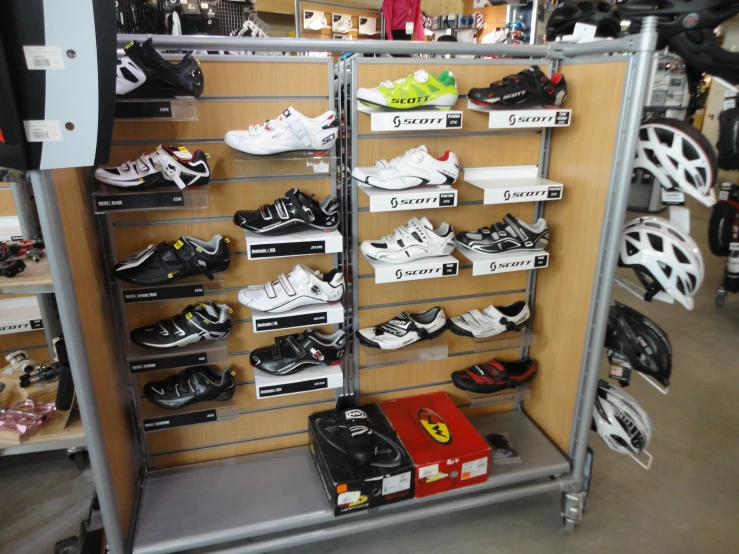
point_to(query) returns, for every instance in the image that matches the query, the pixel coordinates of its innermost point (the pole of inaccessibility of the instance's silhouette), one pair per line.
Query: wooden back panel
(581, 158)
(237, 94)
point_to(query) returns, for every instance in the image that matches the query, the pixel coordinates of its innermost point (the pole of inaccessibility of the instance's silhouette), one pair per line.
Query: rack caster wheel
(80, 457)
(568, 526)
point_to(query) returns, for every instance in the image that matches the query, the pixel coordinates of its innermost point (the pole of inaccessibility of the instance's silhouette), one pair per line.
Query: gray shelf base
(256, 497)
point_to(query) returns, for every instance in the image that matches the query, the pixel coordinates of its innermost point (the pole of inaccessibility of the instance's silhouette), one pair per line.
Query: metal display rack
(213, 505)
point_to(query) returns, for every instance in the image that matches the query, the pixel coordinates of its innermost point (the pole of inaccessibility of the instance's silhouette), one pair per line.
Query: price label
(39, 130)
(43, 57)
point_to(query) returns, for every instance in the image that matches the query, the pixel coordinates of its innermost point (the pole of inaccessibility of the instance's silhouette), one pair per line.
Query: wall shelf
(525, 118)
(417, 198)
(412, 120)
(421, 351)
(505, 341)
(158, 419)
(152, 359)
(508, 396)
(156, 109)
(425, 268)
(308, 162)
(176, 290)
(492, 264)
(36, 278)
(305, 316)
(316, 378)
(304, 243)
(112, 199)
(509, 185)
(19, 315)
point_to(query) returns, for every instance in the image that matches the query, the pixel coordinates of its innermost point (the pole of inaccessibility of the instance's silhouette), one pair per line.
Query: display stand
(592, 158)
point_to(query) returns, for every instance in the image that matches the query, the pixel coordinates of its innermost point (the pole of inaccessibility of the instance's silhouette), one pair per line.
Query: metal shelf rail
(172, 505)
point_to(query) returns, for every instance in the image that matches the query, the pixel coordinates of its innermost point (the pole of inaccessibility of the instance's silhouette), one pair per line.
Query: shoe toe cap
(371, 95)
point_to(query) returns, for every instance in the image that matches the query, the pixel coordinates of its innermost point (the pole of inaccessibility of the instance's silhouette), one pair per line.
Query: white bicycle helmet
(663, 258)
(679, 157)
(622, 424)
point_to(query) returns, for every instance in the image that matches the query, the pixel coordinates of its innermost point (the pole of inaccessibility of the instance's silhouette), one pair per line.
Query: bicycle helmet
(622, 424)
(663, 258)
(679, 157)
(701, 51)
(641, 342)
(603, 15)
(675, 17)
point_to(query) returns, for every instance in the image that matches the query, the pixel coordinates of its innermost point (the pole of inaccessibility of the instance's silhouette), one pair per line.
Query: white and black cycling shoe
(413, 169)
(162, 167)
(404, 329)
(510, 235)
(191, 385)
(415, 240)
(293, 353)
(295, 212)
(491, 321)
(301, 287)
(206, 321)
(290, 131)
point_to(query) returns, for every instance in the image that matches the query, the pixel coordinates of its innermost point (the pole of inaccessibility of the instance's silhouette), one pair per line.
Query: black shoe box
(353, 487)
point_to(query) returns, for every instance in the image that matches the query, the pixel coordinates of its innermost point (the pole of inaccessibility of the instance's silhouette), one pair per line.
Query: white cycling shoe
(291, 131)
(491, 321)
(301, 287)
(413, 169)
(417, 239)
(404, 329)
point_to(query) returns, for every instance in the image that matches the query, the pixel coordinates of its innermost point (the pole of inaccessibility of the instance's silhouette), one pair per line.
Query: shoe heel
(226, 395)
(430, 336)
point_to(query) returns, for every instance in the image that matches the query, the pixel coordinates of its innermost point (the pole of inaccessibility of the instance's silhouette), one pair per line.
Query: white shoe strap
(282, 278)
(270, 289)
(294, 122)
(164, 163)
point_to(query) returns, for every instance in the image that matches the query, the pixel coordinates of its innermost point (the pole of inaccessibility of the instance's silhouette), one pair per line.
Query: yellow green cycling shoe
(420, 89)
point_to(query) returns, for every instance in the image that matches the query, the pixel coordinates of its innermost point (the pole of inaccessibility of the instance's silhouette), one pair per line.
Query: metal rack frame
(309, 527)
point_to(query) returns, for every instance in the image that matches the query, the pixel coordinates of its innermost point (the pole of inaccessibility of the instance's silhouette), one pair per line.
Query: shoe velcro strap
(185, 252)
(270, 289)
(297, 127)
(302, 205)
(294, 345)
(513, 224)
(399, 331)
(281, 209)
(282, 278)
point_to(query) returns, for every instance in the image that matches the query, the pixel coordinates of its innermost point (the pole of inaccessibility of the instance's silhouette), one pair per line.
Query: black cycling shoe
(206, 321)
(191, 385)
(295, 212)
(354, 434)
(293, 353)
(528, 89)
(143, 73)
(510, 235)
(167, 263)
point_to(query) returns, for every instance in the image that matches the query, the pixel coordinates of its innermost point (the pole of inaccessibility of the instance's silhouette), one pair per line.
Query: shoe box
(447, 450)
(353, 487)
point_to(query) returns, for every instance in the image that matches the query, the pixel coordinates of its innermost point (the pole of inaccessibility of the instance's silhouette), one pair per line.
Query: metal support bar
(50, 317)
(23, 208)
(48, 209)
(615, 211)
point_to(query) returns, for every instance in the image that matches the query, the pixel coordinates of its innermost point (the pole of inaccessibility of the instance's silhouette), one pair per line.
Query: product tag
(348, 498)
(673, 197)
(475, 468)
(680, 218)
(397, 483)
(428, 471)
(204, 6)
(39, 130)
(409, 28)
(729, 104)
(723, 195)
(584, 31)
(43, 57)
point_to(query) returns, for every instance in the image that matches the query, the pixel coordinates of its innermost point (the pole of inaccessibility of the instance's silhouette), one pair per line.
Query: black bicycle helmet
(640, 340)
(701, 51)
(603, 15)
(675, 17)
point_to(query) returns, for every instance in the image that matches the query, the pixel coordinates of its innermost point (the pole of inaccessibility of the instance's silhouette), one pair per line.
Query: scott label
(416, 121)
(518, 119)
(504, 266)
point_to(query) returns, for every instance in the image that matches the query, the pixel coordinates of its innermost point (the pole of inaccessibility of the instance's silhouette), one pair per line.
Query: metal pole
(23, 208)
(298, 26)
(61, 272)
(611, 238)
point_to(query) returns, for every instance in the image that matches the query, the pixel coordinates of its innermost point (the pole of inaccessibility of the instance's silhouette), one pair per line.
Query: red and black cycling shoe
(495, 376)
(530, 88)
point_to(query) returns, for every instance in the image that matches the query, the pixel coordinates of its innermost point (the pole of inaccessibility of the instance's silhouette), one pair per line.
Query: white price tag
(680, 218)
(584, 31)
(428, 471)
(674, 197)
(39, 130)
(348, 498)
(409, 28)
(475, 468)
(43, 57)
(723, 195)
(204, 6)
(391, 485)
(729, 104)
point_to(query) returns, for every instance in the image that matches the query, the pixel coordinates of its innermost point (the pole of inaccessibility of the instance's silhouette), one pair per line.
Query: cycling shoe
(293, 353)
(295, 212)
(495, 376)
(491, 321)
(206, 321)
(510, 235)
(167, 263)
(189, 386)
(301, 287)
(404, 329)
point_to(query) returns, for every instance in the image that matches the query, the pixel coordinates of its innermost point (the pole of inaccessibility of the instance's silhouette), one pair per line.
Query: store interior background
(687, 503)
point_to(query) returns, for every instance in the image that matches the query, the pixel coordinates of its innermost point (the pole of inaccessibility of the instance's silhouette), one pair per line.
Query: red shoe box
(447, 450)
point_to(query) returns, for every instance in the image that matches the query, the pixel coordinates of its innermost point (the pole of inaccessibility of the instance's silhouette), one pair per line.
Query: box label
(162, 293)
(303, 320)
(180, 420)
(278, 249)
(169, 362)
(152, 109)
(397, 483)
(159, 199)
(416, 121)
(475, 468)
(348, 498)
(43, 57)
(428, 471)
(39, 130)
(291, 388)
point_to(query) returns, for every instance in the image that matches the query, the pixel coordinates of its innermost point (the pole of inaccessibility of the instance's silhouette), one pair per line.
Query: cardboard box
(352, 487)
(447, 450)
